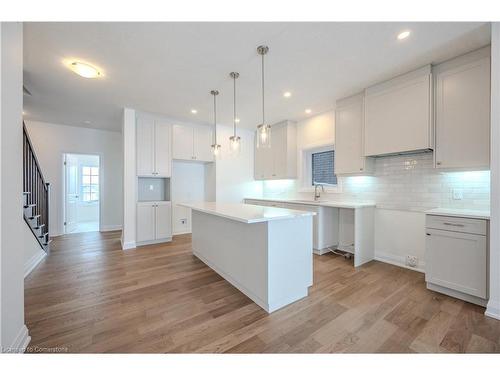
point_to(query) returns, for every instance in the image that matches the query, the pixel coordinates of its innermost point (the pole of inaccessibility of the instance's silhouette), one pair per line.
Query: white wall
(403, 187)
(51, 141)
(493, 308)
(13, 332)
(129, 179)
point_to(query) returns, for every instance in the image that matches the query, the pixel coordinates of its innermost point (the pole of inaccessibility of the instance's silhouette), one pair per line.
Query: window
(90, 184)
(322, 168)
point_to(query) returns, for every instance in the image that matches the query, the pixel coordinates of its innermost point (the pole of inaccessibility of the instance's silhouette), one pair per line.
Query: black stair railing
(36, 192)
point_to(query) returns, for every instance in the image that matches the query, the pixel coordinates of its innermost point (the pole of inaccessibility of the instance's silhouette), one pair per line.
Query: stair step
(39, 226)
(26, 193)
(47, 243)
(34, 217)
(30, 205)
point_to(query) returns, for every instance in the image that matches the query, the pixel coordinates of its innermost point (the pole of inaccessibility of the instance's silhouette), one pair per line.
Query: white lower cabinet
(154, 221)
(457, 257)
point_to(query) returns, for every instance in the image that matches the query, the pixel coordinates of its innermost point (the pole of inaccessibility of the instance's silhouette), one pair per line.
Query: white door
(463, 116)
(278, 167)
(348, 136)
(145, 222)
(163, 150)
(202, 142)
(182, 142)
(456, 261)
(72, 193)
(163, 220)
(145, 146)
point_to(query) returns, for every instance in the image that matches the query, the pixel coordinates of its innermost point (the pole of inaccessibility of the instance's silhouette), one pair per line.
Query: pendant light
(215, 146)
(234, 140)
(263, 130)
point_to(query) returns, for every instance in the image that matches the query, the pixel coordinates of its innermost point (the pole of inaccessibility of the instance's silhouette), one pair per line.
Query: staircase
(36, 194)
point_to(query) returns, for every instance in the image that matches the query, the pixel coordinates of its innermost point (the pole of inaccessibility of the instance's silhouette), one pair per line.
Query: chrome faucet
(317, 194)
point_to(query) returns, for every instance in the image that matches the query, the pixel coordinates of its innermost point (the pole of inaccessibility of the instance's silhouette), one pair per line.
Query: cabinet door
(397, 115)
(163, 150)
(264, 163)
(163, 220)
(145, 146)
(279, 152)
(463, 116)
(202, 143)
(182, 142)
(349, 136)
(145, 222)
(456, 261)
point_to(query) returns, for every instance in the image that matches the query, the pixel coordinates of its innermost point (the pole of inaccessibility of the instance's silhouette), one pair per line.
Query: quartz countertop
(324, 203)
(460, 212)
(246, 213)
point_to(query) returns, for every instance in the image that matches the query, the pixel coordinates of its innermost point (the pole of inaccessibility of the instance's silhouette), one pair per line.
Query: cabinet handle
(438, 163)
(428, 234)
(454, 225)
(360, 169)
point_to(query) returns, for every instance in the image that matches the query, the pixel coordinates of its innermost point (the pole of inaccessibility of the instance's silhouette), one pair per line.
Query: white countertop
(323, 203)
(460, 212)
(246, 213)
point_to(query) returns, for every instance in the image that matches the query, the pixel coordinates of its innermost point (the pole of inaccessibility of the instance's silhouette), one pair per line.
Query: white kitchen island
(265, 252)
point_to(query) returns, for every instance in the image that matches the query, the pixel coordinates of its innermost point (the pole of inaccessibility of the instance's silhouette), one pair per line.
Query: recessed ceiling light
(83, 69)
(403, 35)
(24, 113)
(308, 110)
(194, 111)
(237, 120)
(287, 94)
(86, 122)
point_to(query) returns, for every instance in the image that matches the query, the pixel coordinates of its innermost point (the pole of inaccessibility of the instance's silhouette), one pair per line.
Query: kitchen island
(265, 252)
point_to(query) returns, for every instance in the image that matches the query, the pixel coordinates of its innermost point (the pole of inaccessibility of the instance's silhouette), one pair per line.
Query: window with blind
(322, 168)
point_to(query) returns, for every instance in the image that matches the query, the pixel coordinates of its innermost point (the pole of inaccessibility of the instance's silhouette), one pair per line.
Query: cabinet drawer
(456, 224)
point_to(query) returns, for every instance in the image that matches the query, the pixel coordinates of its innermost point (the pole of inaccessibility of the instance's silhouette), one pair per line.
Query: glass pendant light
(263, 129)
(215, 146)
(234, 140)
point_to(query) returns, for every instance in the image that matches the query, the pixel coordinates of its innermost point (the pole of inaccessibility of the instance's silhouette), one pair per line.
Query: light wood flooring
(90, 296)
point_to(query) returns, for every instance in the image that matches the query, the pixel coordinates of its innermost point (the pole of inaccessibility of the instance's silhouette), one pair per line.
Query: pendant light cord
(215, 117)
(263, 97)
(234, 105)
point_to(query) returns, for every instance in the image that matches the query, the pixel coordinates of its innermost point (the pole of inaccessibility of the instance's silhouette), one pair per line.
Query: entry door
(72, 193)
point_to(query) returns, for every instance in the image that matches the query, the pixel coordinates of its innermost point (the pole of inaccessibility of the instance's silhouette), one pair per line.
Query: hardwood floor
(90, 296)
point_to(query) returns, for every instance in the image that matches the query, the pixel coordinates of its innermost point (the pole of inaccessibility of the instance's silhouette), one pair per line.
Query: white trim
(33, 262)
(493, 309)
(182, 232)
(110, 228)
(128, 245)
(20, 343)
(398, 260)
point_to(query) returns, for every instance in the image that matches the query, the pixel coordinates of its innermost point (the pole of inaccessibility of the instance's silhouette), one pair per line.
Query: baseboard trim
(128, 245)
(20, 343)
(110, 228)
(493, 309)
(183, 232)
(33, 262)
(398, 260)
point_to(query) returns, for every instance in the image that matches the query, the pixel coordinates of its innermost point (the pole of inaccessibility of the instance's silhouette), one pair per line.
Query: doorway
(81, 193)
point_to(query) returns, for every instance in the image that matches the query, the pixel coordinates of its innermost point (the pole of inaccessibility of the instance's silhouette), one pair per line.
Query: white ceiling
(169, 68)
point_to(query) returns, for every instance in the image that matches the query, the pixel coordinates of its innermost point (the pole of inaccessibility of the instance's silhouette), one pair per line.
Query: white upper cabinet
(280, 160)
(398, 114)
(153, 147)
(463, 111)
(349, 121)
(192, 142)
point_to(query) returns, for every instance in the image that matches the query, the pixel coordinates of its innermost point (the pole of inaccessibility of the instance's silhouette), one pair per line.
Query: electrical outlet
(411, 261)
(183, 221)
(458, 194)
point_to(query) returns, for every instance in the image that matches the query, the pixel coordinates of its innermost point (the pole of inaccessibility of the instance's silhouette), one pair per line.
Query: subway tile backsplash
(406, 182)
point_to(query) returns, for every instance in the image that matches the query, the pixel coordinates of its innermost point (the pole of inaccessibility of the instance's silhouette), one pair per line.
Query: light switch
(151, 187)
(458, 194)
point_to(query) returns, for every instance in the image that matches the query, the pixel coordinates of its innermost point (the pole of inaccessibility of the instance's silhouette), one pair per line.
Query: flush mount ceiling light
(234, 140)
(194, 111)
(308, 111)
(287, 94)
(83, 69)
(404, 34)
(215, 146)
(237, 120)
(263, 129)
